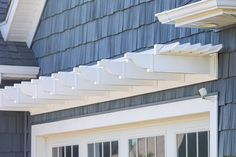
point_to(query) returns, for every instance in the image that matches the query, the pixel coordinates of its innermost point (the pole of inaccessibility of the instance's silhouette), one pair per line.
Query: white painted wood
(22, 20)
(134, 123)
(99, 75)
(126, 69)
(76, 81)
(164, 67)
(202, 14)
(10, 72)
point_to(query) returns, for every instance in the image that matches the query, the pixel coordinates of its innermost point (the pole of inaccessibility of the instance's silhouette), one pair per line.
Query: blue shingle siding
(73, 33)
(13, 134)
(76, 32)
(15, 53)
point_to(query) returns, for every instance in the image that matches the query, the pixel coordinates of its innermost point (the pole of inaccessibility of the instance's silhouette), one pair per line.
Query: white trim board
(22, 20)
(202, 14)
(144, 114)
(10, 72)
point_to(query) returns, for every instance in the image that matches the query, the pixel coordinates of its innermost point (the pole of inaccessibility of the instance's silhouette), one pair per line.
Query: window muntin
(147, 147)
(66, 151)
(194, 144)
(103, 149)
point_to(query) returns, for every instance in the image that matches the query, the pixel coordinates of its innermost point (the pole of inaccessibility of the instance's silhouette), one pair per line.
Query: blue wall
(14, 134)
(75, 32)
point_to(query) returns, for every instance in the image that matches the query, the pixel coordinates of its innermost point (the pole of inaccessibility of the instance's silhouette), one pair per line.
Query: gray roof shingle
(4, 4)
(16, 53)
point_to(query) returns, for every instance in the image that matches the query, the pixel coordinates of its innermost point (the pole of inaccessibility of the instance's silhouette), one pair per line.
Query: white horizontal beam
(100, 76)
(76, 81)
(126, 69)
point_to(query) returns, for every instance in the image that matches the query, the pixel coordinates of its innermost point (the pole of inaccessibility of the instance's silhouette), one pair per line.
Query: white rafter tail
(215, 49)
(23, 98)
(143, 60)
(168, 48)
(180, 49)
(101, 77)
(44, 87)
(128, 70)
(67, 91)
(77, 82)
(182, 64)
(9, 105)
(66, 78)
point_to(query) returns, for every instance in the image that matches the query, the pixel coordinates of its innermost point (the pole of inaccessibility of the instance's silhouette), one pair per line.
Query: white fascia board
(162, 111)
(18, 72)
(202, 14)
(6, 25)
(22, 20)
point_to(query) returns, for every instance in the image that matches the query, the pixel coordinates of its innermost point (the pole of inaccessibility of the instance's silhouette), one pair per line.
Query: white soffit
(10, 72)
(202, 14)
(22, 20)
(164, 67)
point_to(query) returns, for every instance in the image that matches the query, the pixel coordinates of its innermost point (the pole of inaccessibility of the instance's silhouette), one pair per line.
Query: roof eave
(202, 14)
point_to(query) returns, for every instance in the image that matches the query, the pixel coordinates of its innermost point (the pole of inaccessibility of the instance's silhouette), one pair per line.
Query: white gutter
(202, 14)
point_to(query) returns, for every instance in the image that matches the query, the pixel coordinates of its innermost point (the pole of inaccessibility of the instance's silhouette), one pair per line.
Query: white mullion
(94, 149)
(197, 141)
(145, 147)
(137, 147)
(208, 142)
(102, 149)
(186, 144)
(65, 151)
(155, 143)
(71, 150)
(58, 151)
(110, 148)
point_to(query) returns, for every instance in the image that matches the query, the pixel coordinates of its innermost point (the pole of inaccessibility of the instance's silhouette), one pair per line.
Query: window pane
(141, 147)
(54, 152)
(98, 150)
(203, 144)
(132, 148)
(75, 151)
(90, 150)
(106, 149)
(192, 144)
(61, 152)
(181, 145)
(68, 151)
(160, 146)
(151, 147)
(114, 149)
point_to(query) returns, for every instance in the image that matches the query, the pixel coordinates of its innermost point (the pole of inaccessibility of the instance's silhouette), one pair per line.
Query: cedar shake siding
(14, 134)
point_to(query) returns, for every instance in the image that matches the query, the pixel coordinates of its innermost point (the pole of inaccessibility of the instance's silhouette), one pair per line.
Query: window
(66, 151)
(193, 144)
(147, 147)
(103, 149)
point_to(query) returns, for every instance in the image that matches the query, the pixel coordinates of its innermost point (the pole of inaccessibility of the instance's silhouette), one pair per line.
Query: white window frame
(156, 112)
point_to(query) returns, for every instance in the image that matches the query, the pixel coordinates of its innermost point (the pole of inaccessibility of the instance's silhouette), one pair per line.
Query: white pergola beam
(76, 81)
(128, 70)
(102, 77)
(157, 68)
